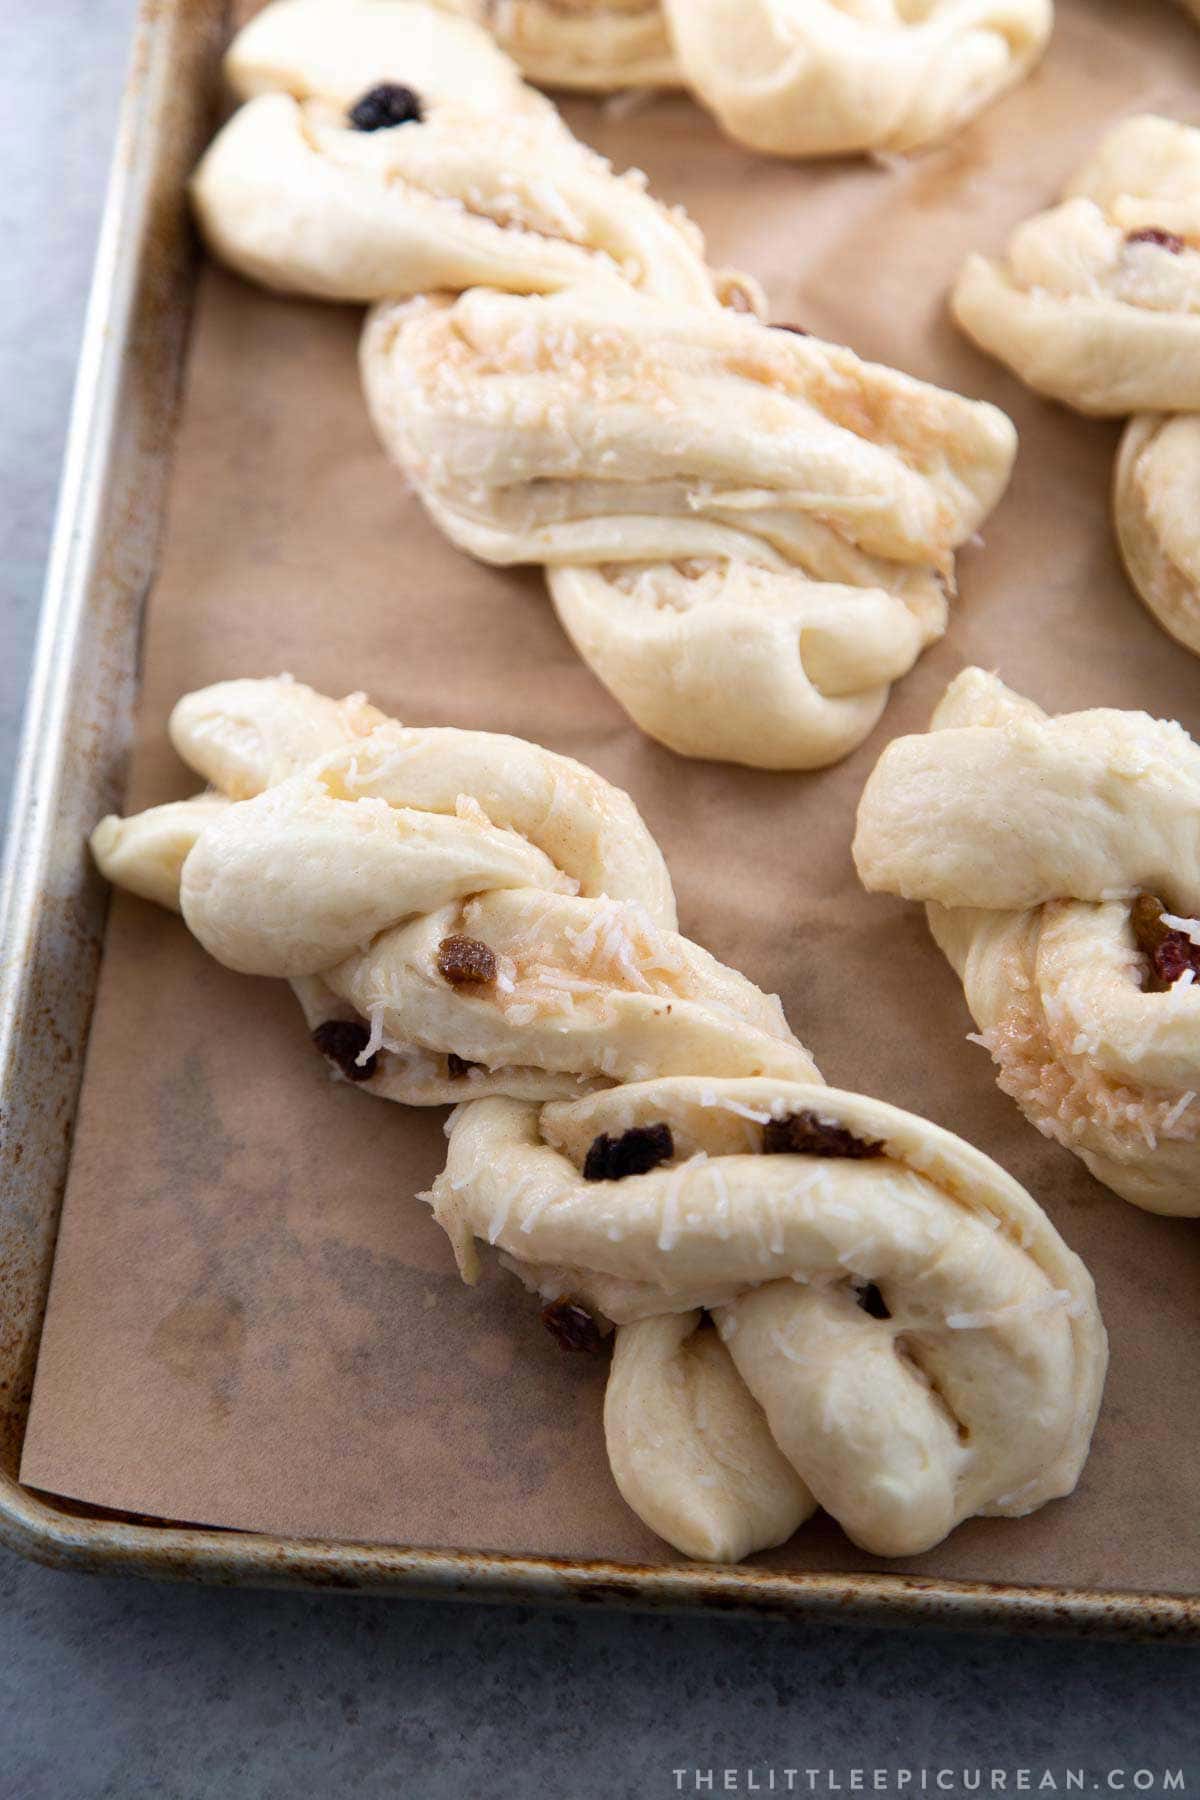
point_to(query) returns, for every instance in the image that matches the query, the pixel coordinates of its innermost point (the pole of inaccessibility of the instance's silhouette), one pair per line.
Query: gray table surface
(121, 1689)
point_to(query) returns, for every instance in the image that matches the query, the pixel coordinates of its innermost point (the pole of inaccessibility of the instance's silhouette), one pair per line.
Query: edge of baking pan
(234, 1559)
(52, 910)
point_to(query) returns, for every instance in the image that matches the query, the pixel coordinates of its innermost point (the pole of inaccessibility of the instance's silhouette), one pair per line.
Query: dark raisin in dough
(572, 1325)
(1170, 953)
(872, 1301)
(385, 106)
(343, 1042)
(1155, 234)
(462, 959)
(635, 1152)
(806, 1134)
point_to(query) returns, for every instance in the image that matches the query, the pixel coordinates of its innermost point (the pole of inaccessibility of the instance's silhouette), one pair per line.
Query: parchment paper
(252, 1322)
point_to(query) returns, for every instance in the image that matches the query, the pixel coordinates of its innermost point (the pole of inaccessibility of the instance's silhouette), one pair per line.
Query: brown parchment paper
(253, 1322)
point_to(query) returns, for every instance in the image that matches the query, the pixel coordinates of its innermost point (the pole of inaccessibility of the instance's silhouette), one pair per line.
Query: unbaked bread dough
(1097, 302)
(1032, 839)
(787, 77)
(1156, 507)
(749, 533)
(969, 1384)
(335, 51)
(598, 46)
(828, 77)
(481, 185)
(748, 594)
(374, 865)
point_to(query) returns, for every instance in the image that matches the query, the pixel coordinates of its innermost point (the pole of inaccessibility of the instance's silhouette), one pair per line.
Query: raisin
(457, 1067)
(806, 1134)
(635, 1152)
(1146, 918)
(462, 960)
(384, 106)
(573, 1325)
(872, 1301)
(1175, 957)
(1154, 234)
(1169, 953)
(343, 1042)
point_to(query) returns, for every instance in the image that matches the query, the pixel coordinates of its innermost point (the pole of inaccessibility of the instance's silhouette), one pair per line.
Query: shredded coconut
(376, 1012)
(1189, 927)
(1019, 1309)
(744, 1112)
(1176, 1113)
(467, 807)
(1011, 1499)
(786, 1350)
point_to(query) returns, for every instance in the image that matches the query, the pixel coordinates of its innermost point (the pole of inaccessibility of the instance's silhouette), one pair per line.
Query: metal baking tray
(52, 911)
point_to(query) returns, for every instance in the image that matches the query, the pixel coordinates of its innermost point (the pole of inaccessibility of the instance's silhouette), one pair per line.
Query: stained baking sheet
(252, 1322)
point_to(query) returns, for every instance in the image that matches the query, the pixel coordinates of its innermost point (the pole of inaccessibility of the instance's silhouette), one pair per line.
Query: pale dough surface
(749, 533)
(977, 1393)
(1156, 509)
(1097, 302)
(748, 593)
(595, 45)
(787, 77)
(340, 850)
(1028, 837)
(830, 77)
(487, 187)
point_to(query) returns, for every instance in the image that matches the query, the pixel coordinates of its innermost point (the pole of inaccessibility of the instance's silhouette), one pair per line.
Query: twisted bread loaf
(749, 533)
(386, 148)
(747, 593)
(827, 77)
(901, 1336)
(594, 45)
(1098, 300)
(788, 77)
(1156, 506)
(458, 912)
(1046, 849)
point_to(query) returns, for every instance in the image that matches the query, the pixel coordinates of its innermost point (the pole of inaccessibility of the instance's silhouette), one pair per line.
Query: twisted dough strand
(1030, 838)
(343, 852)
(829, 77)
(749, 534)
(1097, 302)
(467, 917)
(593, 45)
(294, 197)
(787, 77)
(972, 1388)
(1156, 508)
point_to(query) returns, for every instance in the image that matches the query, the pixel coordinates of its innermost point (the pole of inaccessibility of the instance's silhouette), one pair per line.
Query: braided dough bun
(486, 187)
(1098, 300)
(826, 77)
(337, 50)
(1156, 506)
(976, 1393)
(593, 45)
(750, 533)
(344, 852)
(1030, 838)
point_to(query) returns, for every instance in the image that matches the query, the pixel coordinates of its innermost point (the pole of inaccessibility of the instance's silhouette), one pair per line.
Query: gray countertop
(121, 1689)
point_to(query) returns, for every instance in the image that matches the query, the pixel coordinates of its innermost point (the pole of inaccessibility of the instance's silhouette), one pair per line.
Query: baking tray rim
(34, 1526)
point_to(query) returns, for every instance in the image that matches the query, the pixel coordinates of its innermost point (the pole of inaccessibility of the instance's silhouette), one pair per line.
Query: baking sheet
(251, 1322)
